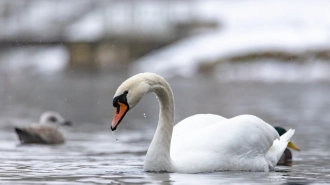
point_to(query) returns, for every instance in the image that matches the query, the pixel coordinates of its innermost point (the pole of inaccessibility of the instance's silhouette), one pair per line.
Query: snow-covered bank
(273, 71)
(248, 27)
(30, 60)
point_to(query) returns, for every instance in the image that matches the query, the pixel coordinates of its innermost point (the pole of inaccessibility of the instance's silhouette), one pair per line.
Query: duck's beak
(119, 115)
(67, 123)
(293, 146)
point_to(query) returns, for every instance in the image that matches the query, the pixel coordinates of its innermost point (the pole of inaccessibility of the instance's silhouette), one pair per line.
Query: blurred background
(54, 52)
(70, 56)
(262, 57)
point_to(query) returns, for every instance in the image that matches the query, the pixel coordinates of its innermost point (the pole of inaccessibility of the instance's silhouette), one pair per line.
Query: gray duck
(44, 132)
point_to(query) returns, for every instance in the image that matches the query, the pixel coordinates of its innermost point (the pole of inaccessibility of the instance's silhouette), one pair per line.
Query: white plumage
(239, 143)
(204, 142)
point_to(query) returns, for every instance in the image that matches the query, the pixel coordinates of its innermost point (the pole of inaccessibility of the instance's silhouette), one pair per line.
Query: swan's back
(196, 122)
(239, 143)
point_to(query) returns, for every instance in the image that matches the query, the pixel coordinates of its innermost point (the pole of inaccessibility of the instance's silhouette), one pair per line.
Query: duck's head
(51, 117)
(282, 131)
(128, 95)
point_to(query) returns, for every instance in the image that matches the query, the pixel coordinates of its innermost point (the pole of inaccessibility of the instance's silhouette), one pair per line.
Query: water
(113, 133)
(91, 155)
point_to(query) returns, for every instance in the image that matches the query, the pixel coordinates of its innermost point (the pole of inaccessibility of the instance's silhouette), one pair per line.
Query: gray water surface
(91, 154)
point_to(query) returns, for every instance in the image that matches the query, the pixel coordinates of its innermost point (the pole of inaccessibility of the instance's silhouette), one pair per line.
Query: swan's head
(128, 94)
(55, 118)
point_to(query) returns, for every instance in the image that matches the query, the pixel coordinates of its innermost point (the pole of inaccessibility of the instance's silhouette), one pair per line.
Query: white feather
(275, 152)
(239, 143)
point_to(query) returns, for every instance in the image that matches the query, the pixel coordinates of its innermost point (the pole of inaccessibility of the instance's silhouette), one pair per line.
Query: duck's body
(200, 143)
(44, 132)
(286, 158)
(40, 134)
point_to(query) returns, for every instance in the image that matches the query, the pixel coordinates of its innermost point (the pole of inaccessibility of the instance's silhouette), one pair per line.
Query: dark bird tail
(26, 137)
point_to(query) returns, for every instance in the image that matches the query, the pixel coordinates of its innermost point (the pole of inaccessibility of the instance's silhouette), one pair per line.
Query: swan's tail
(276, 150)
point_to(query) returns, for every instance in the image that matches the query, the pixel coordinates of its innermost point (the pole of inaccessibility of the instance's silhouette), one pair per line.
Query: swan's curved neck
(158, 155)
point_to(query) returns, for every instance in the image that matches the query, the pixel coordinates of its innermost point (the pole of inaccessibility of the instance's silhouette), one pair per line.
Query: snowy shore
(248, 27)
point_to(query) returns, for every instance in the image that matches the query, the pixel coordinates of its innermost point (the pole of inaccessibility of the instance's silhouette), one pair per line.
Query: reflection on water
(92, 155)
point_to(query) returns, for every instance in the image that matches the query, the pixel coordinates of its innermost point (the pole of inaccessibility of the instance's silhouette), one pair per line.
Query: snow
(37, 18)
(48, 60)
(247, 26)
(89, 28)
(182, 57)
(274, 71)
(88, 20)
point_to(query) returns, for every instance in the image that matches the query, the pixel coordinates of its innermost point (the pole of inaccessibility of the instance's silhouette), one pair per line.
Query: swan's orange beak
(119, 115)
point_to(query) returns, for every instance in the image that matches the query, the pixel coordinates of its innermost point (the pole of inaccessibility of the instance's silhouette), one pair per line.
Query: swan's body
(203, 142)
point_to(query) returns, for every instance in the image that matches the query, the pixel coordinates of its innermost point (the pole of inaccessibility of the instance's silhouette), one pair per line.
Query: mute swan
(286, 158)
(203, 142)
(44, 132)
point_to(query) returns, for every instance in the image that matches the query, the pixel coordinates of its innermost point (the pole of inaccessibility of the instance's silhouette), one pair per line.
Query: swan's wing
(247, 130)
(230, 144)
(196, 122)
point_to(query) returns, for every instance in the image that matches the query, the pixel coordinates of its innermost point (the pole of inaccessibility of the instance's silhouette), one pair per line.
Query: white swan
(203, 142)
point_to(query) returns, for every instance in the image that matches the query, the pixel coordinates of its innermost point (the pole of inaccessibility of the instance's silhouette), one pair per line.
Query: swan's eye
(120, 99)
